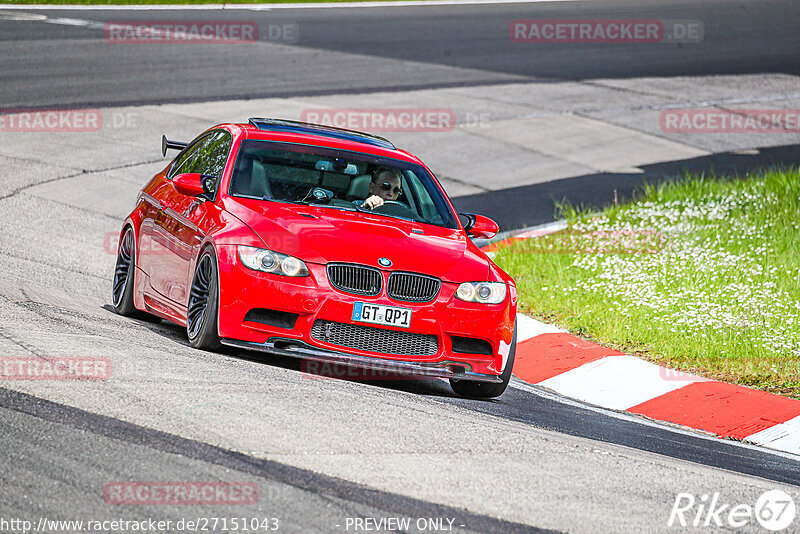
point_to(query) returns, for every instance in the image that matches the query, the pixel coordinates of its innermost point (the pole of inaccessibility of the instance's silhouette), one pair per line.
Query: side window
(210, 158)
(426, 205)
(180, 164)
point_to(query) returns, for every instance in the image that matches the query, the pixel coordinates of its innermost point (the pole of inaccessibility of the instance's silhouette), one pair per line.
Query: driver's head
(386, 184)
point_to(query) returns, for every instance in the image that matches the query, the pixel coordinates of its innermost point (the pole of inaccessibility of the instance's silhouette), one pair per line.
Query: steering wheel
(393, 203)
(393, 207)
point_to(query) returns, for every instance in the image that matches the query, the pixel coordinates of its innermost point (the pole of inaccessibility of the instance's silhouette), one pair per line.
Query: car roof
(324, 136)
(283, 125)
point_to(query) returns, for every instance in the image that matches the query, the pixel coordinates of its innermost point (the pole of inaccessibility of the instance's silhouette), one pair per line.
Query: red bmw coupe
(319, 243)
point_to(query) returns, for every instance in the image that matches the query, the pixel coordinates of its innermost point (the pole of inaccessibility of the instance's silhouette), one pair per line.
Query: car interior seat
(359, 187)
(259, 181)
(252, 180)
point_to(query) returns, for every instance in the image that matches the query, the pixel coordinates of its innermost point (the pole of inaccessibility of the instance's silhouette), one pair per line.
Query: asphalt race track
(63, 64)
(323, 452)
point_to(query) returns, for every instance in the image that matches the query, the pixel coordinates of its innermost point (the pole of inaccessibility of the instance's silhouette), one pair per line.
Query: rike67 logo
(774, 510)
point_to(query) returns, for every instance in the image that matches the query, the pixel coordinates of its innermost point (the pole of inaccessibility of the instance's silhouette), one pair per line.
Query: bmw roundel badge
(385, 262)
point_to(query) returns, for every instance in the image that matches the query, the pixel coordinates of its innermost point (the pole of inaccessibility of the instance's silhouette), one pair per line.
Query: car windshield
(340, 179)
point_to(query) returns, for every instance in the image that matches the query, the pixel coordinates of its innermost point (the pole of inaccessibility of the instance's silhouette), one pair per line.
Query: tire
(124, 276)
(488, 390)
(202, 311)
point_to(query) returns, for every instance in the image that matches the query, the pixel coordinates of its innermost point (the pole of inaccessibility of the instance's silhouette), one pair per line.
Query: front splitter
(298, 349)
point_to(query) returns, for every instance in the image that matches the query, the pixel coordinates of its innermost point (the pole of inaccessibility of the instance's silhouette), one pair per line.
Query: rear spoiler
(166, 144)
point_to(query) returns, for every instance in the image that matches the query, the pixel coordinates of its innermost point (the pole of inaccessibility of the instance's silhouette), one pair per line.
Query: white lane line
(783, 436)
(26, 17)
(631, 418)
(63, 21)
(617, 382)
(91, 24)
(529, 230)
(268, 7)
(542, 230)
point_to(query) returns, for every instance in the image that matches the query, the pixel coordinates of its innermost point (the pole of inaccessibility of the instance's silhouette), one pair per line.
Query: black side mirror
(469, 222)
(209, 182)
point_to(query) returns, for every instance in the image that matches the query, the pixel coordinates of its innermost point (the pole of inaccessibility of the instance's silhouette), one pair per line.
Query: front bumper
(295, 349)
(313, 299)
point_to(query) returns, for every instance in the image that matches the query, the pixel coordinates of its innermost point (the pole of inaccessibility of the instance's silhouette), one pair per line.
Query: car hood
(324, 235)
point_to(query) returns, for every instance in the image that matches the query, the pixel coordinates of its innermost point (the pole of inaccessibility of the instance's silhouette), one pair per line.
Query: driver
(385, 185)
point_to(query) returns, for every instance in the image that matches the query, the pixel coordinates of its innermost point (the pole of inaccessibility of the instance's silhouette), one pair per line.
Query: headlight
(261, 259)
(483, 292)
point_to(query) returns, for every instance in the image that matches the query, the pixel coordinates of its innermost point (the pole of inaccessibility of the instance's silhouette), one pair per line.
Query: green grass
(700, 275)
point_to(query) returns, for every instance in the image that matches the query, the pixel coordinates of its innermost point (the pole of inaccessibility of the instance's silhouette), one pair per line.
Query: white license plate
(380, 314)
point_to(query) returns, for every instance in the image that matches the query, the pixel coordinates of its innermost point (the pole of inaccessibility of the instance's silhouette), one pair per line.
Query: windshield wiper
(354, 207)
(398, 217)
(310, 203)
(281, 201)
(362, 210)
